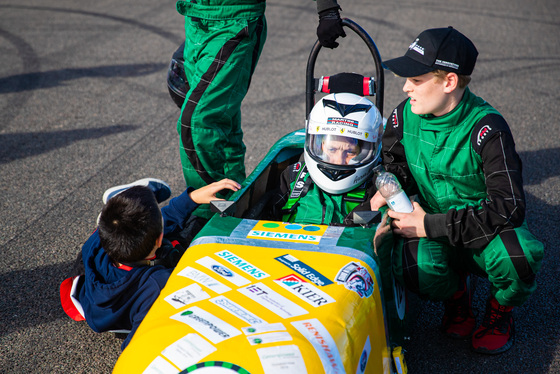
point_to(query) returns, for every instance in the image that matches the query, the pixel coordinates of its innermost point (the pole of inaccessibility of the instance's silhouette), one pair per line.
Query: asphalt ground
(84, 106)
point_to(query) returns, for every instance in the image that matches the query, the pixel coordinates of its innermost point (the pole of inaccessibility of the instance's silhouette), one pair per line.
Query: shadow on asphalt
(17, 146)
(31, 297)
(48, 79)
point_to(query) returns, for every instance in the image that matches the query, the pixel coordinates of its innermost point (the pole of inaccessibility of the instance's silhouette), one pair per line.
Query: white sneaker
(161, 190)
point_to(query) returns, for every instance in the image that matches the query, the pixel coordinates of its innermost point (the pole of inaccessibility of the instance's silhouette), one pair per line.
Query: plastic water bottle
(389, 187)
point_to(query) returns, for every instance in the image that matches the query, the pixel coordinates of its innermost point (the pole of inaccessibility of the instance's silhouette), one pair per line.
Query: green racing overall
(224, 39)
(467, 175)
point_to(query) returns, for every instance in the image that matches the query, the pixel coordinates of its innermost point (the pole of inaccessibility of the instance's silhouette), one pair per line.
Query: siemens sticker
(242, 265)
(284, 236)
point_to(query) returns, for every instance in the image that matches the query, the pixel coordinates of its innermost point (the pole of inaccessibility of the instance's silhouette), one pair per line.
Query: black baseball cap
(443, 48)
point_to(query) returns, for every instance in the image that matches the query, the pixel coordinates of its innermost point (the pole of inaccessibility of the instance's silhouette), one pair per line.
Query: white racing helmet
(342, 141)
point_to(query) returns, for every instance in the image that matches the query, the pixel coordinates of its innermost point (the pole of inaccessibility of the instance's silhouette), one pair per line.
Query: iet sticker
(304, 269)
(272, 300)
(242, 265)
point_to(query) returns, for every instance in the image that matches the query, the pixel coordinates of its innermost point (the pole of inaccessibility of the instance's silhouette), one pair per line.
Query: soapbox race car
(253, 295)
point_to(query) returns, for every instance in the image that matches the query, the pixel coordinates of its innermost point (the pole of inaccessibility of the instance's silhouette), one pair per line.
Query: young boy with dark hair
(128, 259)
(456, 152)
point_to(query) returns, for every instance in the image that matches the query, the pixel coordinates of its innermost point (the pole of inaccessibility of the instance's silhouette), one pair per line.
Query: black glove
(330, 28)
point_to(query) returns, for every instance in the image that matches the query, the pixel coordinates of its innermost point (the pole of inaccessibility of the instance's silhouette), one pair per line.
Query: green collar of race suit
(299, 189)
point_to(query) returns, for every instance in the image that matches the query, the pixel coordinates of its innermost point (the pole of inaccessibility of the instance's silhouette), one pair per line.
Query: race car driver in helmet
(342, 146)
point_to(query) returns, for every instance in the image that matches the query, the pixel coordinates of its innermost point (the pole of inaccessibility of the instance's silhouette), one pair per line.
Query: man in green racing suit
(224, 39)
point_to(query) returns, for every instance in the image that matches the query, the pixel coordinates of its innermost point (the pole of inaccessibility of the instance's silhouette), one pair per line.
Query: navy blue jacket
(114, 298)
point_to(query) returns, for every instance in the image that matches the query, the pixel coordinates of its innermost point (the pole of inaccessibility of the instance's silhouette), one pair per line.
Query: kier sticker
(356, 278)
(305, 290)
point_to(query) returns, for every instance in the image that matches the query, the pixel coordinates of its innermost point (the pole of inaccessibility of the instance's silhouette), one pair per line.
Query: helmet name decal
(342, 122)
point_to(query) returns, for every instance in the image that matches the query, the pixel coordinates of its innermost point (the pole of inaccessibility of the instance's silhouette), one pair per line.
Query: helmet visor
(340, 150)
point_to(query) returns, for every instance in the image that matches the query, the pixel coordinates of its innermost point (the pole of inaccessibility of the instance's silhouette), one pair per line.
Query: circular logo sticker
(222, 271)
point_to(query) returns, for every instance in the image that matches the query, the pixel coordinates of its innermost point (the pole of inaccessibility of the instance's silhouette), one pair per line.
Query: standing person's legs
(220, 57)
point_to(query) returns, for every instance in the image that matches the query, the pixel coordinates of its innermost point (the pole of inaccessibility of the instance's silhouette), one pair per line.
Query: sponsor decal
(186, 296)
(206, 324)
(342, 122)
(329, 130)
(314, 331)
(359, 178)
(188, 350)
(282, 359)
(300, 183)
(416, 47)
(272, 300)
(288, 232)
(356, 278)
(304, 290)
(361, 369)
(237, 310)
(447, 64)
(304, 270)
(204, 279)
(482, 134)
(357, 133)
(280, 336)
(262, 328)
(296, 167)
(158, 366)
(284, 236)
(242, 265)
(222, 270)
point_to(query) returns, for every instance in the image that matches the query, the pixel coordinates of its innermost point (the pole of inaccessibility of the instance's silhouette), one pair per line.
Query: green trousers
(510, 261)
(222, 47)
